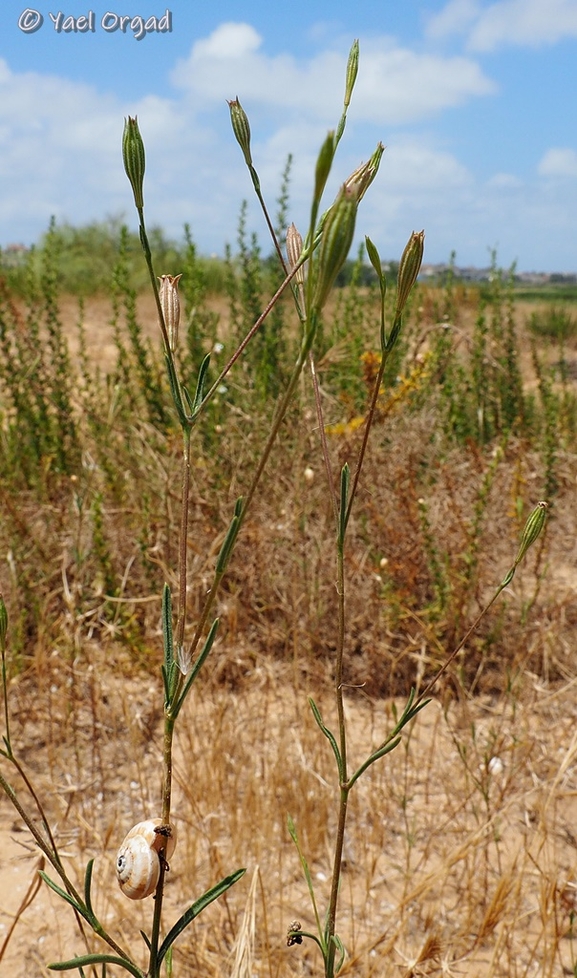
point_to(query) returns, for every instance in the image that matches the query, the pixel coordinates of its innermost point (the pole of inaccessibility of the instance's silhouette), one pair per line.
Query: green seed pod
(409, 268)
(241, 129)
(336, 240)
(533, 526)
(352, 71)
(134, 158)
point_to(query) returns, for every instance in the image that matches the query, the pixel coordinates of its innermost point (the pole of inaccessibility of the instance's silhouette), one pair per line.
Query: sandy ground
(468, 842)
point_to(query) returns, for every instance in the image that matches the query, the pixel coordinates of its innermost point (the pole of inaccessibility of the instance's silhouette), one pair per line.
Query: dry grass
(460, 857)
(461, 854)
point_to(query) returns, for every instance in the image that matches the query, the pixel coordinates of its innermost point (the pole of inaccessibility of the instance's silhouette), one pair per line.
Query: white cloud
(60, 151)
(455, 18)
(521, 22)
(505, 181)
(558, 163)
(396, 85)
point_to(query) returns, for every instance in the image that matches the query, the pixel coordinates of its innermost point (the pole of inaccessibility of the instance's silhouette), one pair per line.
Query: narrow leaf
(375, 260)
(98, 959)
(196, 667)
(309, 881)
(345, 473)
(188, 400)
(230, 538)
(65, 896)
(175, 390)
(199, 393)
(197, 908)
(374, 757)
(341, 949)
(166, 684)
(394, 334)
(167, 628)
(87, 886)
(330, 736)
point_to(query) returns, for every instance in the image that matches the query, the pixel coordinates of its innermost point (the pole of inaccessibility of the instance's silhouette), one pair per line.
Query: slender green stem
(167, 765)
(323, 435)
(182, 557)
(41, 811)
(368, 424)
(343, 787)
(458, 648)
(153, 969)
(40, 841)
(270, 225)
(54, 860)
(154, 283)
(238, 352)
(169, 719)
(6, 712)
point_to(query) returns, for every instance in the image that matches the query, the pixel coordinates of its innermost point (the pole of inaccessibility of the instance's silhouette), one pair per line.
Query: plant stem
(6, 713)
(458, 648)
(323, 434)
(182, 557)
(344, 786)
(272, 302)
(54, 860)
(368, 424)
(153, 969)
(148, 259)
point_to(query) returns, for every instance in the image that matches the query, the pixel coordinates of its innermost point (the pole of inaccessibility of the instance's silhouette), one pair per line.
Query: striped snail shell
(138, 862)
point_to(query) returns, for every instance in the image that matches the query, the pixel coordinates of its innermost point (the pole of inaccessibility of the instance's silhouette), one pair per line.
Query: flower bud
(241, 128)
(134, 159)
(170, 302)
(352, 70)
(336, 240)
(409, 268)
(361, 178)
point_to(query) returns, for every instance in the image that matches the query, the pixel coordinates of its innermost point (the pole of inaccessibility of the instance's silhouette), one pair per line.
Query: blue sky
(474, 100)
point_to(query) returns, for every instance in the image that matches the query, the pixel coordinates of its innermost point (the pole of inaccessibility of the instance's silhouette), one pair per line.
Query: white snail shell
(138, 862)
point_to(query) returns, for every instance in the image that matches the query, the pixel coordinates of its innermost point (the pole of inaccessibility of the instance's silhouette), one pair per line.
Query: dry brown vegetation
(461, 852)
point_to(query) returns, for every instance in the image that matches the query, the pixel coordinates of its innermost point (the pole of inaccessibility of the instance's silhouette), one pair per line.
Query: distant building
(439, 273)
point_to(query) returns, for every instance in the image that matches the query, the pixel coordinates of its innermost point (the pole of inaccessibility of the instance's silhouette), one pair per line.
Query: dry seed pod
(138, 863)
